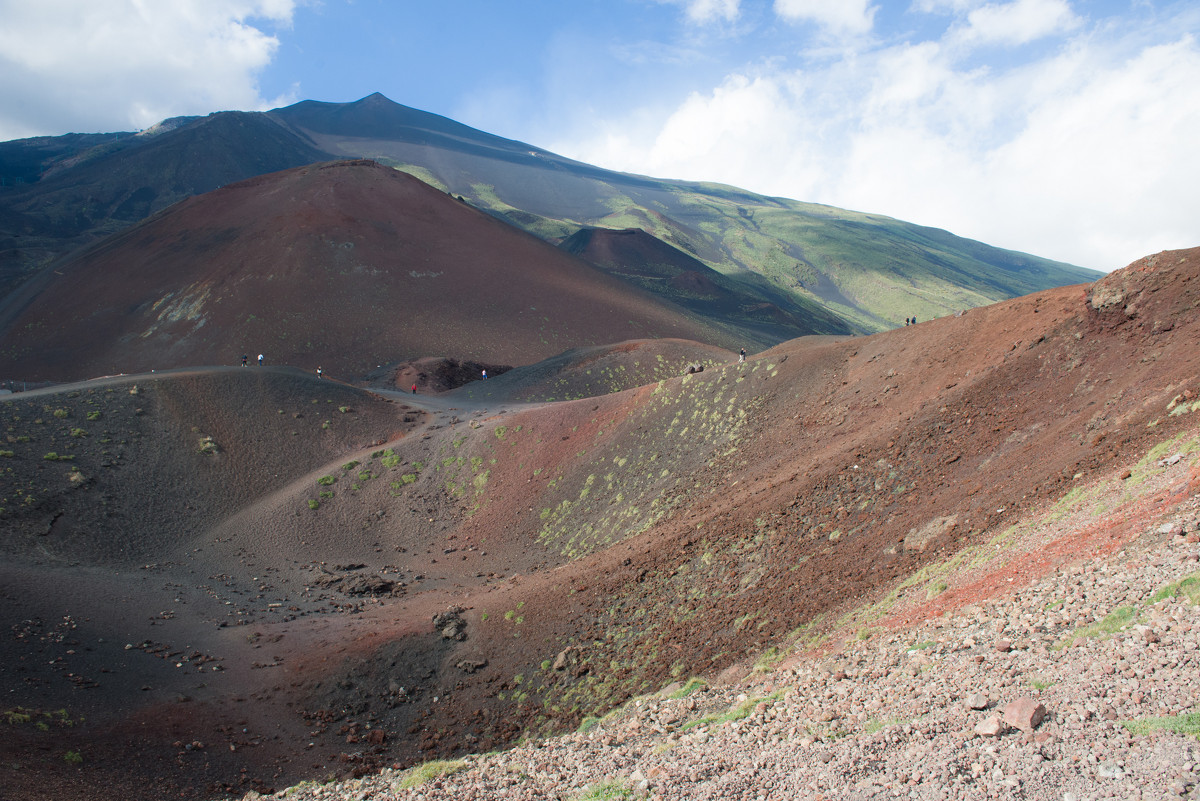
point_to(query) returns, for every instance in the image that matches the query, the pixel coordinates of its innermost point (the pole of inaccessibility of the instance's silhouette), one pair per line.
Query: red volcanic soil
(347, 265)
(574, 554)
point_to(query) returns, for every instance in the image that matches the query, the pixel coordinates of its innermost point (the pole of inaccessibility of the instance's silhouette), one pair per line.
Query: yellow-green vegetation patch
(768, 660)
(1117, 620)
(738, 712)
(416, 171)
(1188, 587)
(694, 684)
(605, 790)
(1184, 443)
(428, 771)
(874, 725)
(1187, 723)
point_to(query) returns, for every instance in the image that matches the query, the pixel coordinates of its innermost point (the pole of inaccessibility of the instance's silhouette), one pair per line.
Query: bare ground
(212, 621)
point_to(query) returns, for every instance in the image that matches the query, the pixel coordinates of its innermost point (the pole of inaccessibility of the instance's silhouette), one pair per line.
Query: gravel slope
(1109, 648)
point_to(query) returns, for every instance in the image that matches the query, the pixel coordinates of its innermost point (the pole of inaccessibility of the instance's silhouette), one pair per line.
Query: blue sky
(1057, 127)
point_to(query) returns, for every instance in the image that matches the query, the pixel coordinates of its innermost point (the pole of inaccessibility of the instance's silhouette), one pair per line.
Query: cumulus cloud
(1084, 154)
(126, 64)
(1020, 22)
(838, 16)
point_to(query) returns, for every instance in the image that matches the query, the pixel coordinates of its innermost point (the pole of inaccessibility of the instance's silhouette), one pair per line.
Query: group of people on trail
(246, 358)
(910, 320)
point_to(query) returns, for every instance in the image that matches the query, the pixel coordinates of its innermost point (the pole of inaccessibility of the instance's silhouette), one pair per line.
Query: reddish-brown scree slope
(347, 265)
(575, 553)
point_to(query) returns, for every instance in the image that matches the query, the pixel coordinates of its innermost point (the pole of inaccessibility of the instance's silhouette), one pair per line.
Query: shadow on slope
(746, 301)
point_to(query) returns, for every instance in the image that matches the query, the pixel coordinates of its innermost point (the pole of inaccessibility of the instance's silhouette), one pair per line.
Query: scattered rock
(451, 624)
(990, 726)
(1024, 713)
(567, 657)
(977, 701)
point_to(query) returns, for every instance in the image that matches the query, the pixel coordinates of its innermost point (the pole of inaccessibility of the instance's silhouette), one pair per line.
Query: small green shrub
(607, 790)
(1114, 621)
(326, 480)
(431, 770)
(690, 686)
(348, 466)
(15, 716)
(93, 416)
(1189, 587)
(343, 409)
(78, 433)
(61, 413)
(7, 454)
(1187, 723)
(73, 758)
(313, 503)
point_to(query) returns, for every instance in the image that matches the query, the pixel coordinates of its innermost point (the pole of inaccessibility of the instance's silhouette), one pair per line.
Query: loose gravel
(1108, 651)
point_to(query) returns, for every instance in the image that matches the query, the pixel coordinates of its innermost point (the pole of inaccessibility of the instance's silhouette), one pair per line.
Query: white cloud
(706, 11)
(126, 64)
(1086, 154)
(1019, 22)
(838, 16)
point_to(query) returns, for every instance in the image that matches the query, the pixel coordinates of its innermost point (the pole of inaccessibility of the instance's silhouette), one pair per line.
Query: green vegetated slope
(874, 271)
(871, 270)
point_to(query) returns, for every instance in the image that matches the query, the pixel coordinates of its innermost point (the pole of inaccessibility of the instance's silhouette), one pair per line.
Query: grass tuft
(429, 771)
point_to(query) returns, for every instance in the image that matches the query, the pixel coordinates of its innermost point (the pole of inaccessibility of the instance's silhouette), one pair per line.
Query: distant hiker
(742, 356)
(319, 372)
(244, 358)
(414, 389)
(914, 321)
(260, 360)
(485, 375)
(906, 321)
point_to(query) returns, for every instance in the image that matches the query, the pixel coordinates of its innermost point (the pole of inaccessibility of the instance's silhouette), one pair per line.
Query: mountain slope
(655, 266)
(397, 582)
(346, 265)
(868, 270)
(100, 187)
(872, 270)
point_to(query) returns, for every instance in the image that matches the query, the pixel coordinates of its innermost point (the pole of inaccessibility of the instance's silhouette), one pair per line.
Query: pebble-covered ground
(1082, 685)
